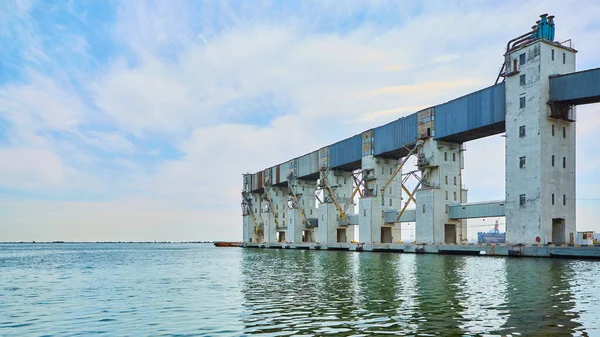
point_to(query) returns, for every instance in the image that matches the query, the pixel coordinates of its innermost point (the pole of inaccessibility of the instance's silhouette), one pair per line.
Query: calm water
(200, 290)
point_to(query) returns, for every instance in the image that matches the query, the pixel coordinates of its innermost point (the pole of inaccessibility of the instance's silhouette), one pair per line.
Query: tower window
(522, 59)
(564, 199)
(454, 196)
(445, 156)
(446, 180)
(552, 130)
(522, 102)
(522, 131)
(564, 58)
(564, 162)
(390, 202)
(522, 162)
(552, 54)
(391, 170)
(522, 200)
(552, 160)
(423, 208)
(522, 80)
(552, 198)
(454, 156)
(446, 195)
(564, 132)
(454, 181)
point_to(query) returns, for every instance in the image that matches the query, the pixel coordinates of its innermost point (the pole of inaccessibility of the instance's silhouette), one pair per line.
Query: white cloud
(179, 77)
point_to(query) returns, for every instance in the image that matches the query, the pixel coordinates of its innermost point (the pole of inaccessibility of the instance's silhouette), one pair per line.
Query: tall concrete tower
(540, 142)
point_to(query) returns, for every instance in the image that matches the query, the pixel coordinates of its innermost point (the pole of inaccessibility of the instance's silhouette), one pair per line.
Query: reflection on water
(200, 290)
(346, 293)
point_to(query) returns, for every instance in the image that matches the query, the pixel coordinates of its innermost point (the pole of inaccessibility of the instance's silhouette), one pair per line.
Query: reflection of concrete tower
(439, 316)
(538, 297)
(540, 142)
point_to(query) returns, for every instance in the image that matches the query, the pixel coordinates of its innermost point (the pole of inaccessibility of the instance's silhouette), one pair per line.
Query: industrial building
(309, 201)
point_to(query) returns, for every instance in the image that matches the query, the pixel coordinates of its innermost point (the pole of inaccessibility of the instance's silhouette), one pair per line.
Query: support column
(331, 229)
(372, 205)
(440, 164)
(540, 147)
(274, 210)
(300, 229)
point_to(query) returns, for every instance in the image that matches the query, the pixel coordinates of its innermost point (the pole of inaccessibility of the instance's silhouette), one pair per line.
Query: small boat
(227, 244)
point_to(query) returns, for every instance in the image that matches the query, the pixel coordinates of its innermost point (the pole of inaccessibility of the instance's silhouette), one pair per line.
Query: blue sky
(134, 120)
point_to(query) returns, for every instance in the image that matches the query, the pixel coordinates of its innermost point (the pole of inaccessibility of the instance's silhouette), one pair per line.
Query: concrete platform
(552, 251)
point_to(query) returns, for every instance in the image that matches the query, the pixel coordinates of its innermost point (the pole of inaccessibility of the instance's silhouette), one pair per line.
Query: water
(200, 290)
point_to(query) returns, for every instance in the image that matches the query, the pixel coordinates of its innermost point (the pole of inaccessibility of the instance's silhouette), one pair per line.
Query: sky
(135, 120)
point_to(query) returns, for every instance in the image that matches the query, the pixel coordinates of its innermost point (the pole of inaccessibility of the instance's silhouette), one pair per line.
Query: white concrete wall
(305, 191)
(374, 206)
(327, 223)
(328, 214)
(279, 197)
(441, 186)
(538, 180)
(246, 230)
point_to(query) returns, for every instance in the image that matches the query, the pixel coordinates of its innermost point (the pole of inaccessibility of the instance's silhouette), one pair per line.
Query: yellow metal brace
(275, 215)
(302, 213)
(411, 197)
(398, 169)
(336, 203)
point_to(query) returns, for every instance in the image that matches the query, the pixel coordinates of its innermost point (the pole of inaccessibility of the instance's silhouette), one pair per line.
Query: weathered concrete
(305, 192)
(372, 205)
(440, 164)
(540, 187)
(342, 183)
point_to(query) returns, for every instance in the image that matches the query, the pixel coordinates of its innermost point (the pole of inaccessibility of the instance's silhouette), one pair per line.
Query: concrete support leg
(301, 201)
(382, 192)
(540, 148)
(440, 164)
(327, 223)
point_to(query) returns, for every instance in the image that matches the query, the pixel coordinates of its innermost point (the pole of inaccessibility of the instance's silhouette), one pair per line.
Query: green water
(200, 290)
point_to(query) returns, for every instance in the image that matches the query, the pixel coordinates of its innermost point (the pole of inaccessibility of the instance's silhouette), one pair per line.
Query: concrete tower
(540, 145)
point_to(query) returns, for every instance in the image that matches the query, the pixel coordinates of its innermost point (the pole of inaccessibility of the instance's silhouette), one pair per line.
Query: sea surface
(201, 290)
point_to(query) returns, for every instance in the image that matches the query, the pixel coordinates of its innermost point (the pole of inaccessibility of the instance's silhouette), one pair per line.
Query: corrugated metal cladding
(324, 157)
(308, 164)
(247, 182)
(367, 143)
(479, 109)
(257, 182)
(576, 88)
(270, 176)
(394, 135)
(346, 151)
(285, 169)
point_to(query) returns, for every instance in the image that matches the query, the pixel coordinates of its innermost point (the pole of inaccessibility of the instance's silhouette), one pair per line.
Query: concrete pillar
(305, 192)
(440, 164)
(342, 183)
(540, 147)
(371, 206)
(275, 226)
(251, 213)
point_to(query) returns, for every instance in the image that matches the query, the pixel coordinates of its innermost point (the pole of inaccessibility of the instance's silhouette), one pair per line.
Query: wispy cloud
(146, 113)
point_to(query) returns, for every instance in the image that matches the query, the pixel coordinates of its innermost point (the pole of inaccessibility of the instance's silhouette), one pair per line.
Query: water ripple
(199, 290)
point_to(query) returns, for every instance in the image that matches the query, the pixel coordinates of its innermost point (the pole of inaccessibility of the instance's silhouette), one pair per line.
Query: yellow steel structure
(271, 206)
(302, 213)
(398, 169)
(343, 216)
